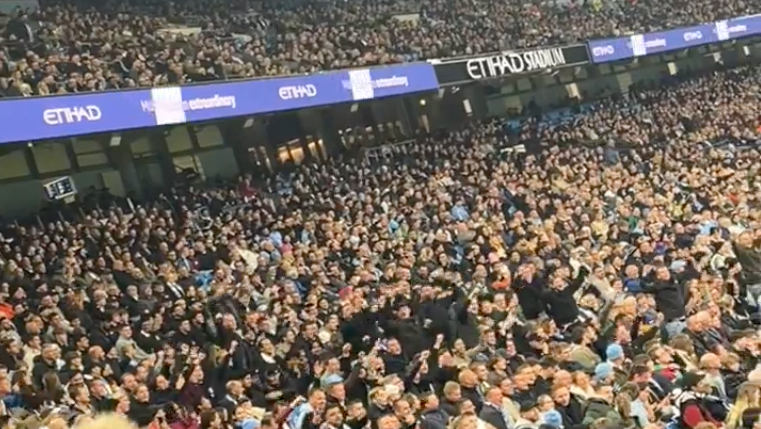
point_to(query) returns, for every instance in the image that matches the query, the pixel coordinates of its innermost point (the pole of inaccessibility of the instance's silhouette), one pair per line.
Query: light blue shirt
(277, 238)
(460, 213)
(296, 419)
(306, 237)
(639, 412)
(706, 227)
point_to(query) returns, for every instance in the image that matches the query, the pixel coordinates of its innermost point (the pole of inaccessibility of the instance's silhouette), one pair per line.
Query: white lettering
(389, 82)
(599, 51)
(692, 35)
(71, 115)
(297, 91)
(215, 102)
(209, 103)
(655, 43)
(515, 63)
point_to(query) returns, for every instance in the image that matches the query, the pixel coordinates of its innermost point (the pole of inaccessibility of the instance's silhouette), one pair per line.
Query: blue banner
(39, 118)
(639, 45)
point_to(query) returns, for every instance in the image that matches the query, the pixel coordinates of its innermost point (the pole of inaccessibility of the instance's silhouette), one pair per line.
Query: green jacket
(597, 409)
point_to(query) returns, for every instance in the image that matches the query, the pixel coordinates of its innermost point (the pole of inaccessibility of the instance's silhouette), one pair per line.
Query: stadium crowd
(79, 46)
(451, 286)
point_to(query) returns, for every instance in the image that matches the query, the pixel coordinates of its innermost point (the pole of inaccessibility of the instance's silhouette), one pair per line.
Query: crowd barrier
(51, 117)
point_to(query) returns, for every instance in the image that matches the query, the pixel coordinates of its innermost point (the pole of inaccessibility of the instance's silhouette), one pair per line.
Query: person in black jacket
(432, 416)
(670, 298)
(233, 396)
(524, 391)
(434, 307)
(570, 408)
(45, 363)
(452, 398)
(492, 411)
(141, 411)
(409, 331)
(559, 300)
(469, 388)
(529, 286)
(379, 404)
(465, 321)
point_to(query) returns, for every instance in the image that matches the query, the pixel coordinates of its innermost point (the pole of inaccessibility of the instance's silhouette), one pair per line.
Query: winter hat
(603, 371)
(614, 352)
(553, 418)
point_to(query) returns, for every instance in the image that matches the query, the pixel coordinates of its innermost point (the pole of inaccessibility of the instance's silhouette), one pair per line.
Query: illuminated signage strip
(50, 117)
(657, 42)
(509, 63)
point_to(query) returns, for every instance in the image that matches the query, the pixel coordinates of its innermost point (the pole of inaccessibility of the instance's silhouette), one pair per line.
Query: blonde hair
(108, 421)
(622, 404)
(450, 387)
(682, 342)
(730, 359)
(464, 421)
(747, 397)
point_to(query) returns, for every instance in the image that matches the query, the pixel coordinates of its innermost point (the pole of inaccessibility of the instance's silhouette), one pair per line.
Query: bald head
(467, 378)
(710, 362)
